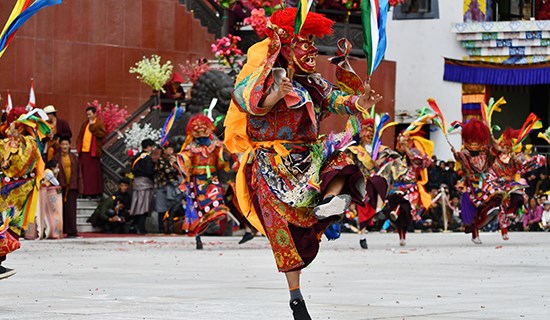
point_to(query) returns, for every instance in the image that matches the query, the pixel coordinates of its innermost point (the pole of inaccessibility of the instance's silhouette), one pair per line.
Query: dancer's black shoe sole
(247, 237)
(363, 243)
(299, 310)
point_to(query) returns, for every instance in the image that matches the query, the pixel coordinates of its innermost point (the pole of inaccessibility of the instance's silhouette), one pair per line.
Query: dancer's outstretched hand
(369, 98)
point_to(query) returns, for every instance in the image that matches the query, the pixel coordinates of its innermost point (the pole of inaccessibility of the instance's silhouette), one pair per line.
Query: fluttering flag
(532, 123)
(301, 13)
(374, 14)
(22, 11)
(32, 98)
(169, 123)
(381, 123)
(9, 104)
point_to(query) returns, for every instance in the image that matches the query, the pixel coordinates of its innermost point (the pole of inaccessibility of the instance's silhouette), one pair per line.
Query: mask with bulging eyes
(305, 54)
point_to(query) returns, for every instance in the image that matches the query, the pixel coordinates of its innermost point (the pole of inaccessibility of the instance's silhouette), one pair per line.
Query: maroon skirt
(92, 178)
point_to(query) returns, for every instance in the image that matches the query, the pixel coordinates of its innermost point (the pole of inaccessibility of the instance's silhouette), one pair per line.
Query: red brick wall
(82, 50)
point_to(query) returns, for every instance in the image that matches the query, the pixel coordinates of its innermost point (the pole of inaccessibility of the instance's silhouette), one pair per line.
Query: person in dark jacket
(69, 180)
(143, 169)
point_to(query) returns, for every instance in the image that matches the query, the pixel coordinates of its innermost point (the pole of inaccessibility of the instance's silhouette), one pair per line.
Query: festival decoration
(137, 133)
(152, 73)
(112, 115)
(22, 11)
(226, 51)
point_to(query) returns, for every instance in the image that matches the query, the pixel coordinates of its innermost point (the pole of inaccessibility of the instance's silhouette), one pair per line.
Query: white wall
(418, 47)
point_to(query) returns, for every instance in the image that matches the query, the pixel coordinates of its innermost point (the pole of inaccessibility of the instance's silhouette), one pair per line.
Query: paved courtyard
(437, 276)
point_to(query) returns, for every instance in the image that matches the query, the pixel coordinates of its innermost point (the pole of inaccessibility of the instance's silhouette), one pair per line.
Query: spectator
(59, 126)
(167, 182)
(52, 146)
(173, 90)
(69, 180)
(532, 182)
(112, 213)
(434, 214)
(532, 218)
(545, 220)
(542, 199)
(455, 224)
(143, 169)
(89, 144)
(50, 174)
(450, 176)
(543, 184)
(434, 174)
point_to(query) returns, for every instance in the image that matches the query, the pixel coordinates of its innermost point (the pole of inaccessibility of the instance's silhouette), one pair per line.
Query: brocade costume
(198, 163)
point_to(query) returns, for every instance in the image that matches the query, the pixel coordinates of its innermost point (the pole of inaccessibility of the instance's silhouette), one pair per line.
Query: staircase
(84, 210)
(209, 13)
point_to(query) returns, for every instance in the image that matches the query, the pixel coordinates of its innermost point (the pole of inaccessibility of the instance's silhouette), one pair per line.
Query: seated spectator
(543, 184)
(542, 199)
(434, 214)
(531, 178)
(112, 212)
(455, 224)
(533, 217)
(545, 220)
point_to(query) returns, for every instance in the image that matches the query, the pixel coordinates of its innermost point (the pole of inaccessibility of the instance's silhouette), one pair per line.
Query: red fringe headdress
(508, 137)
(475, 131)
(282, 22)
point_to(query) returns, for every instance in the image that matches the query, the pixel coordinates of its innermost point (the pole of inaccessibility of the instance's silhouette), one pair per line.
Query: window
(417, 9)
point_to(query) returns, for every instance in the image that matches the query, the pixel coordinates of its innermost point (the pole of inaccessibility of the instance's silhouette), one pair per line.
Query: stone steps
(84, 209)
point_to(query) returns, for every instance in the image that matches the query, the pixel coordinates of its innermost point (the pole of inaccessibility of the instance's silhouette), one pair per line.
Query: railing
(209, 13)
(115, 160)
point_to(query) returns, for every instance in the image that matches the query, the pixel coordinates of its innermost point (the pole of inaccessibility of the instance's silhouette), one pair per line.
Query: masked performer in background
(287, 169)
(406, 174)
(476, 157)
(509, 165)
(22, 169)
(201, 156)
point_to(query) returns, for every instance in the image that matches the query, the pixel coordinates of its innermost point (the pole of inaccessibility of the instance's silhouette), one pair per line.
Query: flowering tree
(226, 51)
(152, 73)
(137, 133)
(258, 21)
(111, 115)
(192, 71)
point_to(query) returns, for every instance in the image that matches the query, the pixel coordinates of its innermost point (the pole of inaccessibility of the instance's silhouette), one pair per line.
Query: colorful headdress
(282, 23)
(475, 131)
(369, 122)
(198, 119)
(508, 137)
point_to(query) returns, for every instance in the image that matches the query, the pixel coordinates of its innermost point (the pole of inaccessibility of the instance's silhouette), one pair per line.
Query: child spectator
(50, 174)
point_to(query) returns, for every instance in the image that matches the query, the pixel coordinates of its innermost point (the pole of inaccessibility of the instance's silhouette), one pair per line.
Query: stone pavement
(437, 276)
